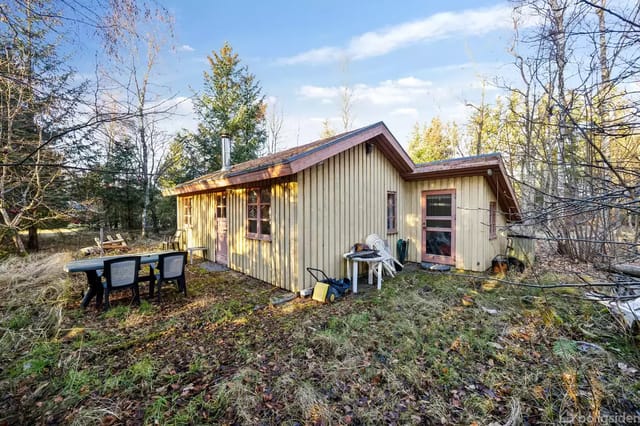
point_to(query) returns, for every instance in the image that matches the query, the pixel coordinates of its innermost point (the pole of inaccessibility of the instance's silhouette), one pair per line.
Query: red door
(221, 227)
(439, 226)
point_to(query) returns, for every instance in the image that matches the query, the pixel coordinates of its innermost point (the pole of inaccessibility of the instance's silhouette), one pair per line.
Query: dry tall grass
(32, 290)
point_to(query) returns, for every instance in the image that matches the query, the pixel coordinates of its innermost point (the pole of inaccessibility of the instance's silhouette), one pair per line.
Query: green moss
(42, 357)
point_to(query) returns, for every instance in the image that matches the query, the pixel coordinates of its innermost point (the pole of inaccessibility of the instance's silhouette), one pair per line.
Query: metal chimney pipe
(226, 151)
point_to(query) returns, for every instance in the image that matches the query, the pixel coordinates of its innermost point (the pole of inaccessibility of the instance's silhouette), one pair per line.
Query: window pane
(253, 212)
(265, 212)
(439, 205)
(438, 224)
(391, 211)
(438, 243)
(265, 227)
(253, 226)
(265, 195)
(253, 196)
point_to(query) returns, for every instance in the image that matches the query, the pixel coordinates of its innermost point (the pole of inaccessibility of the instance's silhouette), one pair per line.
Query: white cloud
(438, 26)
(186, 48)
(317, 92)
(388, 92)
(408, 112)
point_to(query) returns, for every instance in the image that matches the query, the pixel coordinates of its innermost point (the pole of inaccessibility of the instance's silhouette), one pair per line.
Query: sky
(406, 62)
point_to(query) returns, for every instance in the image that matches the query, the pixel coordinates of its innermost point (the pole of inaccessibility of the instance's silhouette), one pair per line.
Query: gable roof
(490, 166)
(291, 161)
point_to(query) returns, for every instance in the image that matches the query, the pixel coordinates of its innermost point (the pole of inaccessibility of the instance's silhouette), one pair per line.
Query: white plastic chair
(388, 261)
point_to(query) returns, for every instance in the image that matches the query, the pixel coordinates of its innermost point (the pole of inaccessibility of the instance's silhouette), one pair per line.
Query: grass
(428, 348)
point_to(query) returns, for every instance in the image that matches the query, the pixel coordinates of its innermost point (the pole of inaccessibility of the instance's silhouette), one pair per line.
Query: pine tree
(36, 101)
(231, 103)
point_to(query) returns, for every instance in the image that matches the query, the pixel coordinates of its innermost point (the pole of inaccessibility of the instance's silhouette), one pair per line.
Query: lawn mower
(328, 289)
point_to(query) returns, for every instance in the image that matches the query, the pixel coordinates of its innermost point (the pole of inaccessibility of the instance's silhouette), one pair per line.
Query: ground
(430, 348)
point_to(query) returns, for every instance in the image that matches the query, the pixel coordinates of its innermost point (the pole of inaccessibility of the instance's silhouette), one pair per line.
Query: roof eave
(491, 167)
(272, 172)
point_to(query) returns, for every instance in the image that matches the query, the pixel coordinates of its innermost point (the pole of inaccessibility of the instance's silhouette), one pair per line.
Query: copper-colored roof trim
(293, 160)
(302, 157)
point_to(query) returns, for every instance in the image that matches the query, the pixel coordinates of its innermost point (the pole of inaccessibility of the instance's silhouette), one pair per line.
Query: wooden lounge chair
(172, 242)
(112, 244)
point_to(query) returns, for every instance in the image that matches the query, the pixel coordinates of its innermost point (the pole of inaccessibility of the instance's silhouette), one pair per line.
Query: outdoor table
(190, 250)
(369, 261)
(91, 267)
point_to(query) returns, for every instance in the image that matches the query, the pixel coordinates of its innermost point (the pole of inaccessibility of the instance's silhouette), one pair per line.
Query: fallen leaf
(489, 311)
(495, 345)
(467, 300)
(629, 371)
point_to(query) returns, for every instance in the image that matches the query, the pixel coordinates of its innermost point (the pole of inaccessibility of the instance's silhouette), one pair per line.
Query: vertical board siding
(334, 204)
(343, 200)
(202, 231)
(270, 261)
(474, 249)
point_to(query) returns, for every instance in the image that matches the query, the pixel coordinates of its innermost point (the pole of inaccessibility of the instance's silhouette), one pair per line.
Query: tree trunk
(32, 242)
(18, 243)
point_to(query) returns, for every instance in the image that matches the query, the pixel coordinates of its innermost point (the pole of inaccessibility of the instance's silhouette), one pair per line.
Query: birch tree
(580, 117)
(144, 30)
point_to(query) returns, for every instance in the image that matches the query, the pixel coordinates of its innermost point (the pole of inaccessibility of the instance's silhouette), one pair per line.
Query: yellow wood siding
(474, 249)
(341, 202)
(271, 261)
(334, 204)
(202, 230)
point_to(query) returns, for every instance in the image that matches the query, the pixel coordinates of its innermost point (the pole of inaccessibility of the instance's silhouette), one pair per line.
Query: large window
(492, 220)
(187, 211)
(392, 213)
(259, 213)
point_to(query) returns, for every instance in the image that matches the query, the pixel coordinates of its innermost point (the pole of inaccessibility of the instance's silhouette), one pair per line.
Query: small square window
(259, 213)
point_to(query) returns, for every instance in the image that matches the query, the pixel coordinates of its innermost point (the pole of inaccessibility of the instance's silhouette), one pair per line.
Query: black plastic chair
(119, 274)
(170, 268)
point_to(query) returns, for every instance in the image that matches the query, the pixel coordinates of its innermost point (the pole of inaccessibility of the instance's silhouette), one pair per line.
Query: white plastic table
(369, 261)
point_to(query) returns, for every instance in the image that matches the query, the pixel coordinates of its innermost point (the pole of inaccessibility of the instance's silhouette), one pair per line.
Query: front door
(438, 226)
(221, 227)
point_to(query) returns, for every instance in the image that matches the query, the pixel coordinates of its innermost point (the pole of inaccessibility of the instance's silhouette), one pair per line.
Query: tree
(275, 120)
(134, 51)
(433, 142)
(37, 101)
(231, 102)
(578, 115)
(346, 98)
(327, 131)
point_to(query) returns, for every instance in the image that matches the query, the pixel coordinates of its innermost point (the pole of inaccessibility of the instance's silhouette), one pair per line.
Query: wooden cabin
(272, 217)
